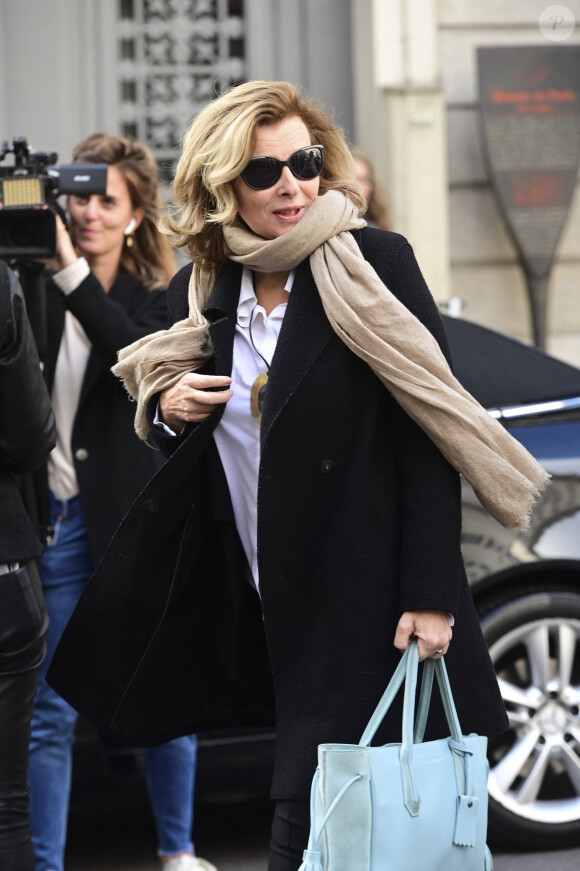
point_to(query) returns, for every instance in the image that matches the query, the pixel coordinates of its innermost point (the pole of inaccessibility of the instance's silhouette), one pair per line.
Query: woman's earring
(129, 232)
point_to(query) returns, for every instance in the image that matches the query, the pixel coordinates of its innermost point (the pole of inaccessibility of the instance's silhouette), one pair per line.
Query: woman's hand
(193, 398)
(430, 628)
(65, 251)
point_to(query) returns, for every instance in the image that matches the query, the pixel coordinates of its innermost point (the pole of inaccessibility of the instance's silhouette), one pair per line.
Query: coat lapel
(221, 312)
(305, 331)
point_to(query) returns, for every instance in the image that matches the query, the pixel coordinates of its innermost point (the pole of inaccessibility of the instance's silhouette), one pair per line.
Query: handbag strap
(424, 700)
(391, 692)
(431, 668)
(386, 701)
(407, 671)
(408, 668)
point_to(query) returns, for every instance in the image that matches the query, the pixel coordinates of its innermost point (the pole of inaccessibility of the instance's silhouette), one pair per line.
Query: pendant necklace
(258, 393)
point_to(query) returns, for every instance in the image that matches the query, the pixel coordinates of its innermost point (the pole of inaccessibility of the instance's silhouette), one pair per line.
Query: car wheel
(534, 782)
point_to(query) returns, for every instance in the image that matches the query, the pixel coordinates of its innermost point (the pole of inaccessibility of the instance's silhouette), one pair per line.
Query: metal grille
(173, 57)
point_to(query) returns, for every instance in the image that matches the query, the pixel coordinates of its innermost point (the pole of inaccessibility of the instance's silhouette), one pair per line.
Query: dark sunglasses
(305, 164)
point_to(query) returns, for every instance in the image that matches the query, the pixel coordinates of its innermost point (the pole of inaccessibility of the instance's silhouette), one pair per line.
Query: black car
(526, 587)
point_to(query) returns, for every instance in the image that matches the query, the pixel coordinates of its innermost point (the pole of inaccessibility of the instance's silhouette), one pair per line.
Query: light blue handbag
(414, 806)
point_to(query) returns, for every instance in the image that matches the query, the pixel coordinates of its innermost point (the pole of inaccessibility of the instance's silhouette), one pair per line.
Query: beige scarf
(379, 329)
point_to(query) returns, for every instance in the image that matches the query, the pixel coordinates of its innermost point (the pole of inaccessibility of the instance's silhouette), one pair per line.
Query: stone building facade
(400, 76)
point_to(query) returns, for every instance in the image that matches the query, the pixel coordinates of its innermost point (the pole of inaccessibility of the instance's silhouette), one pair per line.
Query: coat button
(150, 506)
(326, 467)
(81, 454)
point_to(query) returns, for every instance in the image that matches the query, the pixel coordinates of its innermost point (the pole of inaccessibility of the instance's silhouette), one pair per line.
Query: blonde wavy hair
(218, 145)
(150, 258)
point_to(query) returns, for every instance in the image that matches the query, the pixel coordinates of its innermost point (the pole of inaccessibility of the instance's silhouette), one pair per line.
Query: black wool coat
(27, 435)
(27, 430)
(359, 519)
(112, 464)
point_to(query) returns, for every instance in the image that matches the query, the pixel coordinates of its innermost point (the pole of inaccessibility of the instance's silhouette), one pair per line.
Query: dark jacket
(112, 465)
(27, 435)
(27, 432)
(359, 519)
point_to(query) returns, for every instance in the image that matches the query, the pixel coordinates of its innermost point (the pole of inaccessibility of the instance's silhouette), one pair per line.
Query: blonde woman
(307, 522)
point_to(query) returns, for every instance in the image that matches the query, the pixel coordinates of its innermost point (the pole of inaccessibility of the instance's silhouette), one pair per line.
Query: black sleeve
(158, 438)
(27, 429)
(110, 325)
(177, 295)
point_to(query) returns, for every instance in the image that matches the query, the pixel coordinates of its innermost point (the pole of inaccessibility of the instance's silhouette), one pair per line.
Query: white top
(71, 363)
(237, 435)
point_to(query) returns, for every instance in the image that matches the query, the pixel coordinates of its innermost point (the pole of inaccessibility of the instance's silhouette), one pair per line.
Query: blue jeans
(65, 568)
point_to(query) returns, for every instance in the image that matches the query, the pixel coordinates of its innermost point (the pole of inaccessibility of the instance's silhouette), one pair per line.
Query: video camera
(28, 198)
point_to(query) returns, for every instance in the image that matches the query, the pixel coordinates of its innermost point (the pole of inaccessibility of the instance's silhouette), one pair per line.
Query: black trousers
(290, 829)
(16, 701)
(22, 641)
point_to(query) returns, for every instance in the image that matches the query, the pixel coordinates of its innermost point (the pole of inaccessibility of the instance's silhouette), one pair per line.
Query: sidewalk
(232, 836)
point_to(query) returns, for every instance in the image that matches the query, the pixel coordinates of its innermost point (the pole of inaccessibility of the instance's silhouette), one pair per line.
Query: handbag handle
(429, 670)
(407, 671)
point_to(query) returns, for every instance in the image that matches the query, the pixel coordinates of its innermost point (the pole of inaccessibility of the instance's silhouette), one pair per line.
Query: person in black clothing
(27, 435)
(107, 288)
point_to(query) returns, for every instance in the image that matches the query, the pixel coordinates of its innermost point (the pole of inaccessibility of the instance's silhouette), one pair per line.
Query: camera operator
(107, 291)
(27, 435)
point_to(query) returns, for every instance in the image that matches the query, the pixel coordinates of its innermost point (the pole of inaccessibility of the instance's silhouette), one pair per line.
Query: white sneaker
(187, 862)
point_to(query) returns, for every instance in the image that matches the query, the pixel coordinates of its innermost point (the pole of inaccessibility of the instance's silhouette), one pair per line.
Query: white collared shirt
(237, 435)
